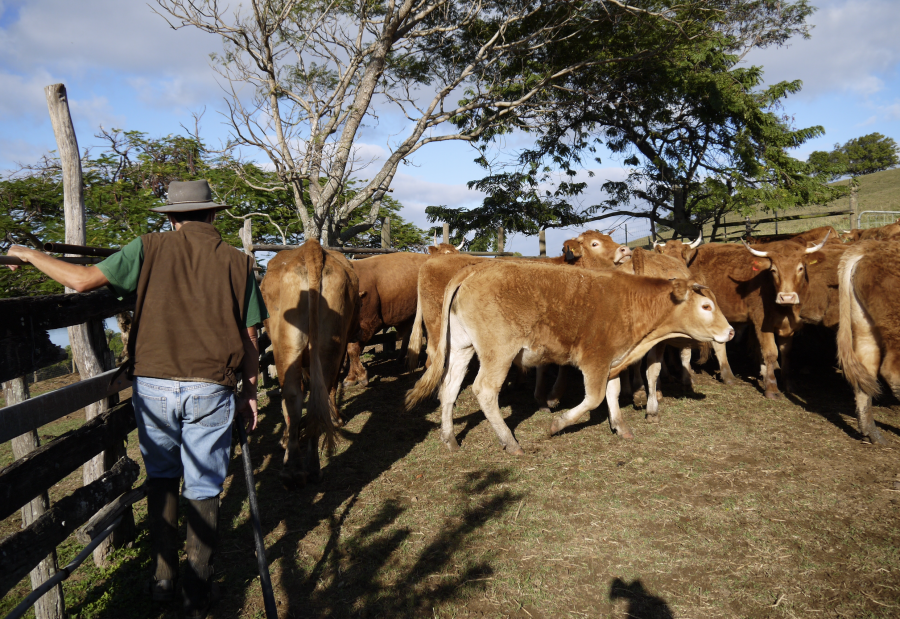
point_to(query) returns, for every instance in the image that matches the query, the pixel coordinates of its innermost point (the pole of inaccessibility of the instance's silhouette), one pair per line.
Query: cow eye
(595, 244)
(707, 307)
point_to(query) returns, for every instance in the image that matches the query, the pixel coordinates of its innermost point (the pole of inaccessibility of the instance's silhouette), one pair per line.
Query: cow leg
(312, 468)
(540, 387)
(559, 387)
(595, 379)
(404, 331)
(784, 350)
(453, 378)
(724, 367)
(487, 389)
(653, 370)
(616, 420)
(291, 406)
(868, 351)
(770, 358)
(687, 380)
(357, 373)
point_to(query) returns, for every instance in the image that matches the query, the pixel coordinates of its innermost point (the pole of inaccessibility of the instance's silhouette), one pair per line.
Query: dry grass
(734, 506)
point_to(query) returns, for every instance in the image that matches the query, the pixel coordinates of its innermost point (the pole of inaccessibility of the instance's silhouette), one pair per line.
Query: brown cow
(762, 285)
(590, 249)
(535, 314)
(813, 236)
(883, 233)
(869, 331)
(312, 296)
(677, 249)
(387, 290)
(821, 304)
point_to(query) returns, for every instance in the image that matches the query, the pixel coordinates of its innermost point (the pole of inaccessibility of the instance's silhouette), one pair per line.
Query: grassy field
(877, 192)
(733, 506)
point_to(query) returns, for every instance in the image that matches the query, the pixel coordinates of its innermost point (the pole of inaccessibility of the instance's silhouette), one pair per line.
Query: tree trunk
(681, 220)
(854, 205)
(542, 242)
(88, 341)
(446, 232)
(501, 240)
(52, 605)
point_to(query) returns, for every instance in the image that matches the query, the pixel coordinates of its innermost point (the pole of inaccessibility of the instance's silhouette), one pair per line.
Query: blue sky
(125, 68)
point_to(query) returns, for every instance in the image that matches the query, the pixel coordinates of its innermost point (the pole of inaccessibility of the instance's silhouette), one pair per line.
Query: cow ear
(818, 266)
(688, 253)
(680, 290)
(432, 250)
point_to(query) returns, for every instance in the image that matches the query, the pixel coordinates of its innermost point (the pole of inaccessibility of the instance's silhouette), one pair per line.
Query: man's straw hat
(189, 196)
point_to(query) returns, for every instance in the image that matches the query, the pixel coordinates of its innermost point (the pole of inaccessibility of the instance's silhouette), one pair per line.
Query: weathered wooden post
(854, 203)
(542, 242)
(52, 604)
(88, 341)
(748, 229)
(446, 232)
(386, 233)
(501, 242)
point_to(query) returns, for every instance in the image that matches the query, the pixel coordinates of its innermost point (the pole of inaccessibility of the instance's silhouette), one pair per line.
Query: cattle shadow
(641, 603)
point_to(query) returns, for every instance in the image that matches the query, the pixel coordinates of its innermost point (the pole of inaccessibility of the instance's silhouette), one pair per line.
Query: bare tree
(318, 68)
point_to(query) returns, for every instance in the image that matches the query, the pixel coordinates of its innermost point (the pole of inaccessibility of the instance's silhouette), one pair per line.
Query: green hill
(877, 192)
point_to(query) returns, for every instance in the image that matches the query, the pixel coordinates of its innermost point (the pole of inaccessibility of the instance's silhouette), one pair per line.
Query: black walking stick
(264, 579)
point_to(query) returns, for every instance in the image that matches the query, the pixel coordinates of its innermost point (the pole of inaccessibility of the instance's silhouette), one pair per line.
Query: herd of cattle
(599, 306)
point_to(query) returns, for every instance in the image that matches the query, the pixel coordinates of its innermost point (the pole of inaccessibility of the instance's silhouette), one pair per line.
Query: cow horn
(658, 244)
(697, 242)
(811, 250)
(435, 239)
(460, 246)
(756, 252)
(845, 231)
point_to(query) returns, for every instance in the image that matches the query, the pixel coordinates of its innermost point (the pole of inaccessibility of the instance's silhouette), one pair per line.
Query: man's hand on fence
(247, 408)
(17, 251)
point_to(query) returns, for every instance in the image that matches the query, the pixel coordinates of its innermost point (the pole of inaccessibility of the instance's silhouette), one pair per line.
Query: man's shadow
(641, 603)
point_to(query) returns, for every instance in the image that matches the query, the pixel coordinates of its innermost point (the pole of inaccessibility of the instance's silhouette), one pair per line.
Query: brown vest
(190, 307)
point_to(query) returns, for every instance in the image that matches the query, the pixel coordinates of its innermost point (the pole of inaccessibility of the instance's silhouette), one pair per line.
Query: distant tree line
(864, 155)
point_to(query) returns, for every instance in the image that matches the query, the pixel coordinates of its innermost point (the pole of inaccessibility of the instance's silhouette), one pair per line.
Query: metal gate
(876, 219)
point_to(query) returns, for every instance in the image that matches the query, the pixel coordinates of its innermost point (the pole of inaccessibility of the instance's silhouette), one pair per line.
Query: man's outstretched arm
(73, 276)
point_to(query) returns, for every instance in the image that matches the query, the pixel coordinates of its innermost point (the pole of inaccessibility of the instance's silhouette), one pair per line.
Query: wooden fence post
(854, 204)
(446, 232)
(542, 242)
(386, 233)
(52, 605)
(501, 241)
(88, 341)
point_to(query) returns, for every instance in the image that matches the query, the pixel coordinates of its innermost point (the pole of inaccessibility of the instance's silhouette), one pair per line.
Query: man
(196, 314)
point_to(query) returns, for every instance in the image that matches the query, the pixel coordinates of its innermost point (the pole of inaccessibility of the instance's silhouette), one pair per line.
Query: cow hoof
(452, 445)
(363, 382)
(556, 426)
(639, 400)
(875, 438)
(348, 382)
(625, 432)
(774, 395)
(552, 403)
(515, 450)
(652, 418)
(729, 380)
(544, 409)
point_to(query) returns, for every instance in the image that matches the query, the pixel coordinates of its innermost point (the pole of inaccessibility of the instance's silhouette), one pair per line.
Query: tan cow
(869, 330)
(312, 296)
(677, 249)
(534, 314)
(889, 232)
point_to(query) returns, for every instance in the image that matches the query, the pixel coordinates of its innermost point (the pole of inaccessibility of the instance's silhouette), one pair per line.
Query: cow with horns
(762, 285)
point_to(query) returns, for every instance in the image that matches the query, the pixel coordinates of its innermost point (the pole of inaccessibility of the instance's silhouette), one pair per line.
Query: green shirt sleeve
(254, 308)
(123, 269)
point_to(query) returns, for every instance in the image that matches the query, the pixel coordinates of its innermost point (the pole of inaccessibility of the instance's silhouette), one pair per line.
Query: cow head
(786, 261)
(444, 248)
(697, 314)
(678, 249)
(595, 249)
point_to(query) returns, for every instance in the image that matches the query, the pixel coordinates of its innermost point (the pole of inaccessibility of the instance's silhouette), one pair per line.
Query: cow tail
(854, 371)
(435, 372)
(415, 338)
(320, 409)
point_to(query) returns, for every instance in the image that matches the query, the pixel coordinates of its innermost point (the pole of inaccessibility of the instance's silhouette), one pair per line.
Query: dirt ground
(733, 506)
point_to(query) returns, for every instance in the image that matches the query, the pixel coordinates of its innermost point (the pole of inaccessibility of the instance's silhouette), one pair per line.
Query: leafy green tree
(698, 132)
(832, 165)
(870, 153)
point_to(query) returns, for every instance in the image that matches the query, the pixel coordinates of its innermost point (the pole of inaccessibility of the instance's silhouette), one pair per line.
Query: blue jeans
(185, 429)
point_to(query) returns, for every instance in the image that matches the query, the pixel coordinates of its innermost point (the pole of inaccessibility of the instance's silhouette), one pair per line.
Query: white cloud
(853, 43)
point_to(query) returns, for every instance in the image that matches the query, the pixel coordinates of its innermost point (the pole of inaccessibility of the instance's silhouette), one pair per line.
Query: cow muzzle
(729, 335)
(787, 298)
(570, 256)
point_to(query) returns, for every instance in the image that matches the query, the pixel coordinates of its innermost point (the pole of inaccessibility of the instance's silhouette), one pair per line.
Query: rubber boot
(162, 512)
(202, 534)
